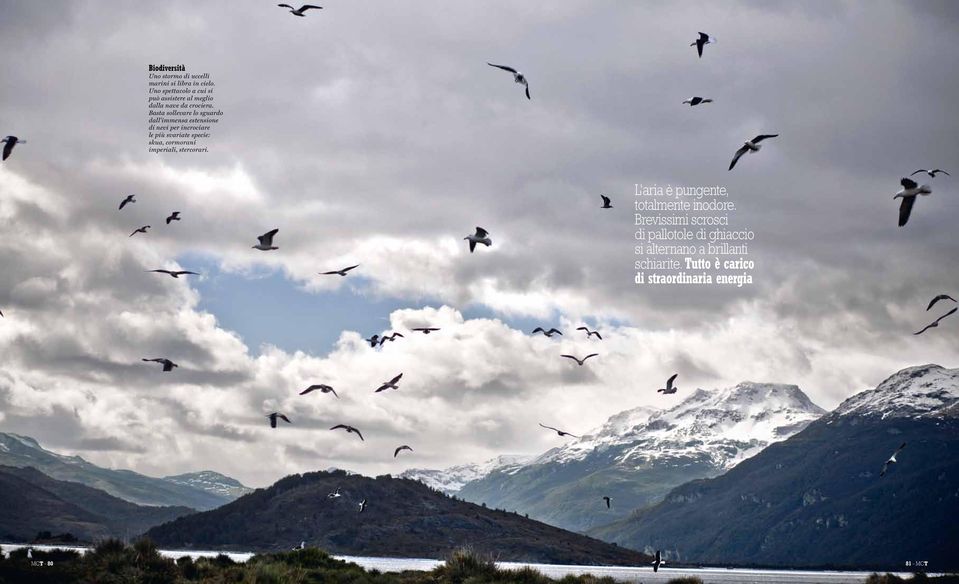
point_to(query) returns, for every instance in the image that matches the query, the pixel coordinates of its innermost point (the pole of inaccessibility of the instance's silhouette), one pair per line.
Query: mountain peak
(918, 391)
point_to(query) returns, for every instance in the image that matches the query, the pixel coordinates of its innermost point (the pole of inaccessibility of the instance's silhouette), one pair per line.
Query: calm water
(644, 574)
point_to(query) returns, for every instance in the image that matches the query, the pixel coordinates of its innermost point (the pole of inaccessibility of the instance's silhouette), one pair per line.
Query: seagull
(128, 199)
(935, 323)
(937, 299)
(339, 272)
(481, 236)
(606, 202)
(11, 141)
(590, 333)
(142, 230)
(404, 447)
(697, 100)
(426, 329)
(750, 146)
(276, 415)
(517, 76)
(892, 460)
(581, 361)
(322, 388)
(910, 190)
(373, 340)
(558, 431)
(167, 364)
(659, 561)
(348, 429)
(299, 547)
(301, 10)
(266, 241)
(932, 173)
(390, 338)
(174, 216)
(175, 274)
(703, 40)
(391, 384)
(548, 333)
(669, 385)
(335, 494)
(362, 505)
(607, 499)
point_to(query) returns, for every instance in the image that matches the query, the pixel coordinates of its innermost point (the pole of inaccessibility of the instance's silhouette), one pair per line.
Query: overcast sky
(373, 132)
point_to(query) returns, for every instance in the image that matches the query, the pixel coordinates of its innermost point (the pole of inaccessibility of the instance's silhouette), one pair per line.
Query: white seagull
(892, 460)
(750, 146)
(910, 190)
(703, 40)
(11, 141)
(481, 236)
(129, 199)
(391, 384)
(932, 173)
(362, 505)
(266, 241)
(335, 494)
(697, 100)
(517, 76)
(590, 333)
(349, 429)
(546, 333)
(659, 561)
(301, 10)
(670, 388)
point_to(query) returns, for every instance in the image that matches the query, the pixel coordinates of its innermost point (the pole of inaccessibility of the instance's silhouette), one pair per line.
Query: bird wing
(538, 330)
(908, 183)
(285, 419)
(570, 357)
(700, 43)
(309, 389)
(285, 6)
(552, 330)
(943, 172)
(472, 245)
(918, 171)
(669, 382)
(582, 328)
(357, 432)
(341, 427)
(272, 418)
(8, 148)
(481, 233)
(605, 199)
(599, 336)
(267, 238)
(905, 208)
(503, 67)
(187, 272)
(590, 355)
(927, 327)
(306, 7)
(938, 298)
(762, 137)
(527, 91)
(738, 155)
(951, 312)
(548, 427)
(350, 268)
(395, 379)
(124, 202)
(171, 273)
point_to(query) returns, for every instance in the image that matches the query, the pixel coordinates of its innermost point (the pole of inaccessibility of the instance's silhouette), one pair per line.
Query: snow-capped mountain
(914, 392)
(211, 482)
(451, 480)
(638, 455)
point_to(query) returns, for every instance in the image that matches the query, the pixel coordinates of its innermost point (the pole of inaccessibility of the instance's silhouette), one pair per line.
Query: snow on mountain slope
(915, 392)
(211, 482)
(452, 479)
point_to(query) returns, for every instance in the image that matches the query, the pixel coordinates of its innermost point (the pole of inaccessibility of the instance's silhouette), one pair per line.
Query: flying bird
(1, 313)
(546, 333)
(404, 447)
(129, 199)
(297, 548)
(348, 429)
(697, 100)
(335, 494)
(391, 384)
(301, 10)
(935, 323)
(580, 361)
(167, 364)
(11, 141)
(391, 338)
(266, 241)
(558, 431)
(481, 236)
(750, 146)
(669, 386)
(174, 216)
(142, 230)
(892, 460)
(362, 505)
(607, 499)
(339, 272)
(175, 273)
(321, 387)
(276, 415)
(373, 340)
(607, 204)
(910, 190)
(659, 561)
(932, 173)
(703, 40)
(517, 76)
(426, 329)
(590, 333)
(937, 299)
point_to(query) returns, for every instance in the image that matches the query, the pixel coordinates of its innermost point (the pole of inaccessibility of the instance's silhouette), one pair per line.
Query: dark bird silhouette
(607, 204)
(129, 199)
(320, 387)
(142, 230)
(10, 142)
(373, 340)
(276, 415)
(703, 40)
(175, 273)
(697, 100)
(580, 361)
(404, 447)
(339, 272)
(608, 500)
(932, 173)
(590, 333)
(517, 77)
(750, 146)
(266, 241)
(362, 505)
(426, 329)
(167, 364)
(561, 433)
(546, 333)
(348, 429)
(301, 10)
(481, 236)
(937, 299)
(669, 385)
(391, 337)
(935, 323)
(174, 216)
(892, 460)
(658, 561)
(391, 384)
(910, 190)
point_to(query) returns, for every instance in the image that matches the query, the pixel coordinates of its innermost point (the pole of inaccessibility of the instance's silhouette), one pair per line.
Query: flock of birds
(909, 193)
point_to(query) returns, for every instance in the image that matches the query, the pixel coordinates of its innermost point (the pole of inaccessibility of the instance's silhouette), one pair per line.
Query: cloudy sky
(373, 132)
